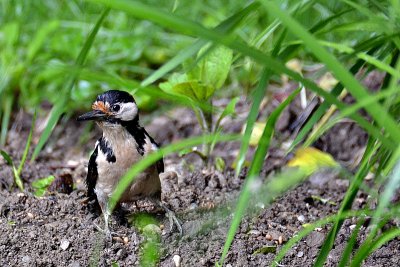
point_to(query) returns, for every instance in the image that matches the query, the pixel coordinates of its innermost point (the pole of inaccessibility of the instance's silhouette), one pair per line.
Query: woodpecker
(123, 143)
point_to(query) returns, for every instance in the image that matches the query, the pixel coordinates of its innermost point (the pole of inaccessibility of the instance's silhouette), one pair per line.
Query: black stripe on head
(115, 96)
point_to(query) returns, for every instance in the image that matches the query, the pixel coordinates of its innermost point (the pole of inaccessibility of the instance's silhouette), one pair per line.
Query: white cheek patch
(127, 112)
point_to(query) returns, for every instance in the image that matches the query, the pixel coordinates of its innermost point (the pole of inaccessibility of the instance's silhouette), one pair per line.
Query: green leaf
(220, 164)
(41, 185)
(27, 145)
(213, 68)
(179, 84)
(224, 27)
(7, 157)
(228, 110)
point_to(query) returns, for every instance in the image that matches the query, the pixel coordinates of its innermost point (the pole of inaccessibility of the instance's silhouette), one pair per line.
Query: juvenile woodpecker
(124, 142)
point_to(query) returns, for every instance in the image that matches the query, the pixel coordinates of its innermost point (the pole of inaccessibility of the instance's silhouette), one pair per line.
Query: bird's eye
(115, 108)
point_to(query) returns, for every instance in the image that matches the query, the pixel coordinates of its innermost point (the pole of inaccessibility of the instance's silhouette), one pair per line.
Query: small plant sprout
(202, 79)
(17, 171)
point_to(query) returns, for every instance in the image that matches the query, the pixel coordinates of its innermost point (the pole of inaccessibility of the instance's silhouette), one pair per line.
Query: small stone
(352, 226)
(229, 265)
(300, 254)
(315, 239)
(72, 163)
(162, 226)
(30, 215)
(64, 244)
(20, 195)
(177, 260)
(74, 264)
(280, 240)
(126, 240)
(26, 259)
(301, 218)
(268, 237)
(254, 232)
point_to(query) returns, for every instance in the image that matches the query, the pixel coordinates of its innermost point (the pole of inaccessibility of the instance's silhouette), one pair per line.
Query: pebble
(64, 244)
(26, 259)
(254, 232)
(315, 239)
(301, 218)
(30, 215)
(177, 260)
(269, 237)
(126, 240)
(352, 226)
(74, 264)
(300, 254)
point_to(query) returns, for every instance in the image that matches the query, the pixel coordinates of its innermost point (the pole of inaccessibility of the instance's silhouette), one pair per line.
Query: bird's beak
(95, 115)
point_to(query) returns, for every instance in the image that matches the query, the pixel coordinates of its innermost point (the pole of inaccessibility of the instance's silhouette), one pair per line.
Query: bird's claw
(173, 220)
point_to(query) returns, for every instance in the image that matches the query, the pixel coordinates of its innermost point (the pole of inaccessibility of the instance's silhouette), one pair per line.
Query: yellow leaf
(295, 65)
(310, 159)
(327, 81)
(258, 130)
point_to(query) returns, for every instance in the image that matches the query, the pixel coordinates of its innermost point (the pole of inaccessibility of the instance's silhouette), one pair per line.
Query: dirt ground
(58, 229)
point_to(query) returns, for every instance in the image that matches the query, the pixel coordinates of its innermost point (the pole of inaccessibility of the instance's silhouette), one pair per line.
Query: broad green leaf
(41, 185)
(179, 84)
(213, 68)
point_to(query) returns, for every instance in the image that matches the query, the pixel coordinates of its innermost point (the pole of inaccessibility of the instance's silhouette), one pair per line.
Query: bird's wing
(160, 162)
(92, 174)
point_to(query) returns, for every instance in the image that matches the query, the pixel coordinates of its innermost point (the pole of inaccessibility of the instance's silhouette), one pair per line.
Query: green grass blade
(27, 146)
(353, 86)
(350, 110)
(9, 100)
(383, 239)
(40, 37)
(147, 161)
(384, 201)
(174, 22)
(347, 202)
(312, 226)
(7, 157)
(350, 244)
(251, 118)
(325, 105)
(59, 107)
(224, 27)
(254, 171)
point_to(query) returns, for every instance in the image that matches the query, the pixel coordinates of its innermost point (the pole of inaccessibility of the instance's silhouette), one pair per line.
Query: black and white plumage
(124, 142)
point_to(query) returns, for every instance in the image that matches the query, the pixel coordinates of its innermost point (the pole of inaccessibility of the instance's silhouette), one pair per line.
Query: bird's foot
(106, 231)
(173, 220)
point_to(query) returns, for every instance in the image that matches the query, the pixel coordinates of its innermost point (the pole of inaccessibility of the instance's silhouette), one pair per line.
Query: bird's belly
(145, 184)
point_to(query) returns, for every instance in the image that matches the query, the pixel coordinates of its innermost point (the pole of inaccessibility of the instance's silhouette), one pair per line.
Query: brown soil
(58, 229)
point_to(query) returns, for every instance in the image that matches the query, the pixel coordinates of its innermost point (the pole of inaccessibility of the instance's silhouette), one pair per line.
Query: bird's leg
(106, 214)
(173, 220)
